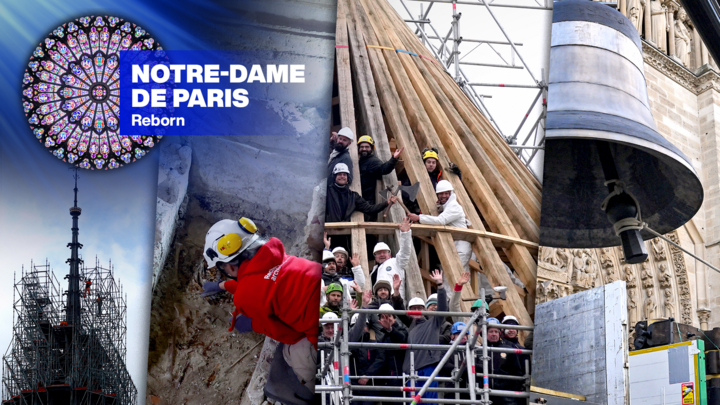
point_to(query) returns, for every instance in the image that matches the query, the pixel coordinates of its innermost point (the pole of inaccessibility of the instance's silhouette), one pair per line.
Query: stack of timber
(391, 89)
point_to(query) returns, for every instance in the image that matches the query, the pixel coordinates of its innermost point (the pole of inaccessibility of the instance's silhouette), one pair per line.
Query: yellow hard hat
(366, 138)
(430, 154)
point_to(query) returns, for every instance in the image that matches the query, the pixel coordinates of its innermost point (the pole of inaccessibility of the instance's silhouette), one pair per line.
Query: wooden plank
(426, 109)
(419, 230)
(394, 91)
(369, 107)
(347, 118)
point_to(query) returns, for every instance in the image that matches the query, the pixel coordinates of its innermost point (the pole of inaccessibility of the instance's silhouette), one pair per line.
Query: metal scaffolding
(68, 347)
(529, 136)
(335, 380)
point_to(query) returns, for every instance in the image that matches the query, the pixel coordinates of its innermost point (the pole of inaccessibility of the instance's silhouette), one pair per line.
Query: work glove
(455, 169)
(211, 288)
(243, 324)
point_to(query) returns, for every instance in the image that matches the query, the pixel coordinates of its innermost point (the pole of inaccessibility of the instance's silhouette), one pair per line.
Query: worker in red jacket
(274, 294)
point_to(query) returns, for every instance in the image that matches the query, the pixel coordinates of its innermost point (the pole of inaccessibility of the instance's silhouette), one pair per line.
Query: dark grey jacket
(427, 331)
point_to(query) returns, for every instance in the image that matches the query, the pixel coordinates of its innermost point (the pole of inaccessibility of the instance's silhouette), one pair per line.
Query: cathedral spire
(72, 309)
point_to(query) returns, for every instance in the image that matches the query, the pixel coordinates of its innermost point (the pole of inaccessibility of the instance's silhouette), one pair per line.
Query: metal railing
(336, 382)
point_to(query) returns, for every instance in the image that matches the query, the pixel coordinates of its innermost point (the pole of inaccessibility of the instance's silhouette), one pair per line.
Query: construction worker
(274, 294)
(341, 202)
(330, 276)
(387, 266)
(386, 294)
(451, 214)
(333, 299)
(511, 338)
(426, 331)
(445, 328)
(339, 143)
(430, 159)
(86, 292)
(342, 259)
(372, 168)
(502, 364)
(328, 328)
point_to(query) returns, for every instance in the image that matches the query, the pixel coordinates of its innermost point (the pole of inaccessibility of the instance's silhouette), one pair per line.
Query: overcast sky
(529, 27)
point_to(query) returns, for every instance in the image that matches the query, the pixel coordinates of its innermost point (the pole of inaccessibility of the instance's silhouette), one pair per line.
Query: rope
(624, 224)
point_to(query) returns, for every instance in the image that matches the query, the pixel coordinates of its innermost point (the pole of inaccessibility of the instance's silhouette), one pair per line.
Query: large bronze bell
(602, 146)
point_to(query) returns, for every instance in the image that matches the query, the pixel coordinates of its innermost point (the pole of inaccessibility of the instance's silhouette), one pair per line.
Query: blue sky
(118, 218)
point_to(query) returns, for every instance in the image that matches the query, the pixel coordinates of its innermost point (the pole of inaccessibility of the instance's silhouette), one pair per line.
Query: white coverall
(359, 277)
(453, 215)
(397, 264)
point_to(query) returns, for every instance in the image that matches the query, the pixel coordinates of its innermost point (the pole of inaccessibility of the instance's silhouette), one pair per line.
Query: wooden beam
(429, 118)
(397, 96)
(347, 118)
(369, 107)
(419, 230)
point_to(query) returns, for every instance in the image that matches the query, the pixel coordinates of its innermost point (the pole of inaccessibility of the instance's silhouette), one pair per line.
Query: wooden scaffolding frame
(391, 89)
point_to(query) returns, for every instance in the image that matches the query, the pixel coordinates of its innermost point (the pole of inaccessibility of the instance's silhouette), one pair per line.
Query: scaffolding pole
(477, 322)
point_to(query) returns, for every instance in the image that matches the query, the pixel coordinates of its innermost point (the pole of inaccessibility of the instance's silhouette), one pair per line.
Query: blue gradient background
(118, 218)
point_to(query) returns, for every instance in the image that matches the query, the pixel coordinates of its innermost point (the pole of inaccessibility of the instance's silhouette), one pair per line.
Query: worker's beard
(365, 153)
(339, 147)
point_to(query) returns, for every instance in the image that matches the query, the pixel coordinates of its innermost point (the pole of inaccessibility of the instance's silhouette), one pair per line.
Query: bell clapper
(622, 209)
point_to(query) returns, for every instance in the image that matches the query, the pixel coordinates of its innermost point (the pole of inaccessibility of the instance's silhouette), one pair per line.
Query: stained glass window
(71, 93)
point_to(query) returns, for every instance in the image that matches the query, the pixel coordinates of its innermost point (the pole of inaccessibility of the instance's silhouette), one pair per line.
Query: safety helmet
(340, 249)
(341, 168)
(430, 154)
(386, 307)
(328, 256)
(492, 321)
(432, 299)
(458, 327)
(382, 283)
(226, 239)
(479, 303)
(329, 316)
(510, 320)
(417, 301)
(333, 287)
(366, 138)
(443, 185)
(380, 246)
(346, 132)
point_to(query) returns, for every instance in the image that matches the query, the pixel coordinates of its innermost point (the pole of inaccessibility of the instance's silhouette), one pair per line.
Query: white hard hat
(227, 239)
(346, 132)
(329, 316)
(386, 307)
(327, 256)
(341, 249)
(416, 301)
(510, 318)
(443, 185)
(380, 246)
(341, 168)
(431, 299)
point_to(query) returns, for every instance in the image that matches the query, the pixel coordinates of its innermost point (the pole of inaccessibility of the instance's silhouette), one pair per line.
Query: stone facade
(684, 96)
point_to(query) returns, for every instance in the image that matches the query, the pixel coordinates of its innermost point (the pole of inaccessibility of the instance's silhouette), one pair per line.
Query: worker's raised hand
(333, 136)
(404, 225)
(464, 278)
(356, 287)
(392, 200)
(396, 283)
(326, 240)
(366, 298)
(398, 152)
(437, 276)
(211, 288)
(355, 260)
(386, 322)
(354, 304)
(414, 217)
